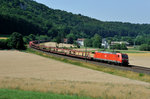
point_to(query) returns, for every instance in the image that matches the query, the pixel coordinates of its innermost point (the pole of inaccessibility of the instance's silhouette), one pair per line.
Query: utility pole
(85, 53)
(134, 43)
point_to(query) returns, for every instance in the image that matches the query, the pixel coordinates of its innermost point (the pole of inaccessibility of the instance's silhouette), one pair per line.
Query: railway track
(133, 68)
(139, 68)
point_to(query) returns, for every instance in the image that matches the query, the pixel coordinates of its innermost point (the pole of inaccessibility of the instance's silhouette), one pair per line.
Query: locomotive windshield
(124, 56)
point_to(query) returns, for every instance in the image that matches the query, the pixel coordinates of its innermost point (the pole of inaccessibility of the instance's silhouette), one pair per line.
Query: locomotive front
(125, 59)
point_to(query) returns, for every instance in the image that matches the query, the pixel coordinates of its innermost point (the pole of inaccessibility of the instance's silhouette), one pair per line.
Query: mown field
(3, 38)
(53, 44)
(140, 59)
(24, 71)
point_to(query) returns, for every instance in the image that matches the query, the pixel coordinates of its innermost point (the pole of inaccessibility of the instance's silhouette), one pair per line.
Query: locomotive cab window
(124, 56)
(93, 52)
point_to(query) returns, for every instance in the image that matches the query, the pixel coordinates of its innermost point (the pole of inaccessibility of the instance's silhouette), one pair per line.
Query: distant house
(65, 40)
(105, 43)
(80, 41)
(117, 42)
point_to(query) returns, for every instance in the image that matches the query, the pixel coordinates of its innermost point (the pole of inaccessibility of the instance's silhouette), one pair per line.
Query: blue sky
(133, 11)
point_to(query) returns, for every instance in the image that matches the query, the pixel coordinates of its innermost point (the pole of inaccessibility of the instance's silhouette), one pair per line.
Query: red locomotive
(110, 57)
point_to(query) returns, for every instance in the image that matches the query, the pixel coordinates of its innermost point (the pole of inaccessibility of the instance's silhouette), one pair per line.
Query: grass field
(24, 71)
(78, 88)
(18, 94)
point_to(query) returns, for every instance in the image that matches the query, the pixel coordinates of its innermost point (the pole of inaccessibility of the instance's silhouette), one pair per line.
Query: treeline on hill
(29, 17)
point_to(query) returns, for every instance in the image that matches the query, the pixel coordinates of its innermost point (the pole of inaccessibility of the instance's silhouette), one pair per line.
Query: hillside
(28, 16)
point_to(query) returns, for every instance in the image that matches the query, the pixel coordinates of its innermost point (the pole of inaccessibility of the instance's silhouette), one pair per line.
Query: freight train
(102, 56)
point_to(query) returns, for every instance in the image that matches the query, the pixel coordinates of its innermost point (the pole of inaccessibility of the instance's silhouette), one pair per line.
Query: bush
(141, 74)
(78, 46)
(3, 44)
(144, 47)
(124, 47)
(16, 41)
(119, 47)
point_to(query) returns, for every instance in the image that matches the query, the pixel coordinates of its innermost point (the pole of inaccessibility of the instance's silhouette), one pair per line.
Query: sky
(133, 11)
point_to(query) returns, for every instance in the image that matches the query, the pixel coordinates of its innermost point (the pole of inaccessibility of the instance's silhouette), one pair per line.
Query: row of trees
(138, 40)
(16, 41)
(145, 47)
(119, 47)
(33, 37)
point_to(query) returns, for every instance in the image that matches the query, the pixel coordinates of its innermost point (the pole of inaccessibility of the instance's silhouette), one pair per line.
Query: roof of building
(65, 40)
(80, 39)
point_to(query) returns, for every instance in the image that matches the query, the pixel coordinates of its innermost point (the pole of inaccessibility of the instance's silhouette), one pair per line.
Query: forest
(29, 17)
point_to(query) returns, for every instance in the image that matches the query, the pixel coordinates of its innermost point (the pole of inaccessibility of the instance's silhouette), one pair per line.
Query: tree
(124, 47)
(145, 47)
(58, 40)
(16, 41)
(119, 46)
(139, 40)
(76, 44)
(88, 42)
(32, 37)
(70, 38)
(3, 44)
(43, 37)
(97, 40)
